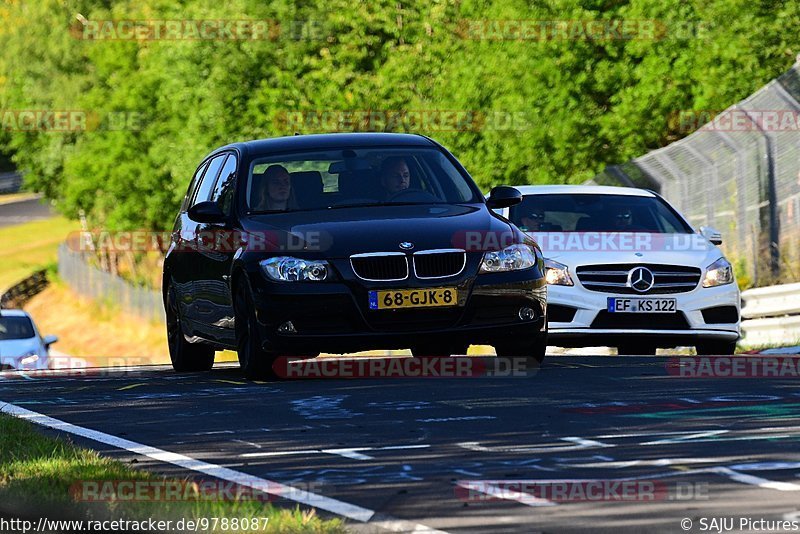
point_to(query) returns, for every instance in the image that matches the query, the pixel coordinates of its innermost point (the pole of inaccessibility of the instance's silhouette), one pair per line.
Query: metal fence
(740, 175)
(91, 282)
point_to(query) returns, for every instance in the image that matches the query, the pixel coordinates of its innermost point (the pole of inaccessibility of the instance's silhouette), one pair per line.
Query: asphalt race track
(23, 211)
(416, 453)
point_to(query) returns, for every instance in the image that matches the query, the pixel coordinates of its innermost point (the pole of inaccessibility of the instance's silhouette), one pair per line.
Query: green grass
(763, 347)
(41, 470)
(28, 247)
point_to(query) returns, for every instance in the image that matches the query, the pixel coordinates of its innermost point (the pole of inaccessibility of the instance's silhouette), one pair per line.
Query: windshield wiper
(341, 206)
(388, 203)
(271, 212)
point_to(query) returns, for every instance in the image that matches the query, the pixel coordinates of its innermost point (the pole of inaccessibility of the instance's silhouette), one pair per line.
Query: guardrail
(771, 315)
(21, 292)
(91, 282)
(10, 182)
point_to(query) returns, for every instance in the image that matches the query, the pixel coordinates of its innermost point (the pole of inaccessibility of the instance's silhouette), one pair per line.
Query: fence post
(711, 202)
(772, 198)
(741, 201)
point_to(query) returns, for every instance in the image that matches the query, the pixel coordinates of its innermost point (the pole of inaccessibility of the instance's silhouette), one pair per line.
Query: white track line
(687, 437)
(660, 462)
(757, 481)
(578, 444)
(499, 488)
(340, 508)
(352, 453)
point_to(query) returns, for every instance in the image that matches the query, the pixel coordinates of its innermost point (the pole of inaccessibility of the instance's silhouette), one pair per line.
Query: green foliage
(586, 103)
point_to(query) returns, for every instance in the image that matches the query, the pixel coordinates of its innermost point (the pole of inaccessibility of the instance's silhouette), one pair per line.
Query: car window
(15, 328)
(209, 179)
(357, 177)
(223, 189)
(198, 175)
(670, 224)
(596, 213)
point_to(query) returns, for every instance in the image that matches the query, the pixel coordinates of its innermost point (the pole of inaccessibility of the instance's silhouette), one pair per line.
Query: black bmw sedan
(345, 242)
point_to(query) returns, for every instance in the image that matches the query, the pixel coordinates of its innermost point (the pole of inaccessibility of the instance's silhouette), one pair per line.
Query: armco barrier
(771, 315)
(21, 292)
(91, 282)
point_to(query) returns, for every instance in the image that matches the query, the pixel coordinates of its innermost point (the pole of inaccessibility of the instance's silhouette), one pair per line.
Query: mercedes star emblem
(641, 279)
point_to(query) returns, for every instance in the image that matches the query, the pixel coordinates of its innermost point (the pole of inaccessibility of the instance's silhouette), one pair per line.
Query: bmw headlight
(288, 269)
(557, 274)
(512, 258)
(718, 273)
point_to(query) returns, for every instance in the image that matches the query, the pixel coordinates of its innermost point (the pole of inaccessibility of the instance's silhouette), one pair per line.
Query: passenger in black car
(275, 190)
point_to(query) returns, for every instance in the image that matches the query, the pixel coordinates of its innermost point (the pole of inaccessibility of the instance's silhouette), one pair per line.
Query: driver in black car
(395, 176)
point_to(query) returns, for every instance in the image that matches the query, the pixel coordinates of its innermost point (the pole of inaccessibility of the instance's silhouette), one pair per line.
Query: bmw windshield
(356, 177)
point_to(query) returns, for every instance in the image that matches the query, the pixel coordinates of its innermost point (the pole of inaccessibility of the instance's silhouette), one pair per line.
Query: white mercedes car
(21, 346)
(626, 270)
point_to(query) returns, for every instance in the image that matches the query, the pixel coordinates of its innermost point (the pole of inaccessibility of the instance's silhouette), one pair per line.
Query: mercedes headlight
(718, 273)
(557, 274)
(29, 359)
(288, 269)
(512, 258)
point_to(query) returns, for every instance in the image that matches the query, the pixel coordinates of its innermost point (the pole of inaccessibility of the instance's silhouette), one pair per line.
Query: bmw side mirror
(49, 340)
(712, 234)
(206, 212)
(503, 196)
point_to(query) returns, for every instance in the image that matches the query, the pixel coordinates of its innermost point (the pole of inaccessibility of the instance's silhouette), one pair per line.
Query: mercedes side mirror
(712, 234)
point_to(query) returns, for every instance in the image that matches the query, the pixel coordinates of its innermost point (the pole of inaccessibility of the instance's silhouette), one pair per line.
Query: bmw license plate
(641, 305)
(413, 298)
